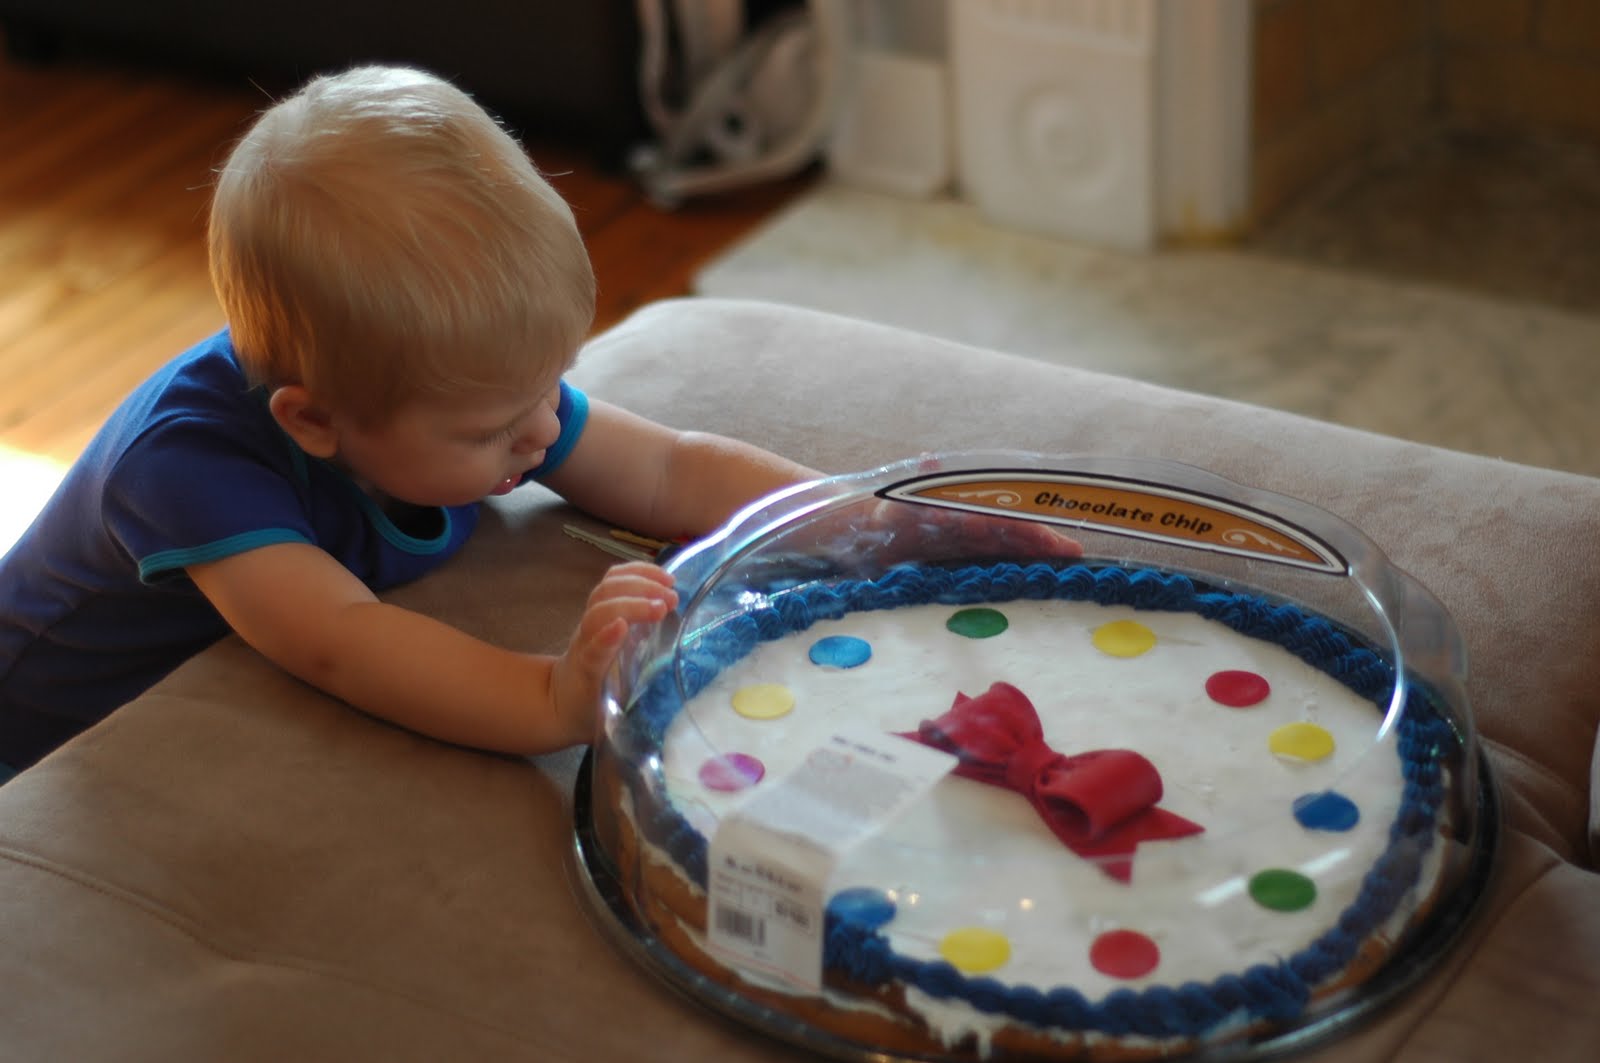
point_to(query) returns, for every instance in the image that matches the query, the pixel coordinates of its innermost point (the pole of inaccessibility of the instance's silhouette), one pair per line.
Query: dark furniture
(548, 68)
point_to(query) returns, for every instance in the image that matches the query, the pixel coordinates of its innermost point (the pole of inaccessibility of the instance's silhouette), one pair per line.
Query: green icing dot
(978, 623)
(1282, 891)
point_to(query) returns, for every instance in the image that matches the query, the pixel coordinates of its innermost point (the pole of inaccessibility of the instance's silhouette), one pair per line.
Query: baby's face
(449, 452)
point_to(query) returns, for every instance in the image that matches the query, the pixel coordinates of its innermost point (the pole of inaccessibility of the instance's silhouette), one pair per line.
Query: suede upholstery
(235, 866)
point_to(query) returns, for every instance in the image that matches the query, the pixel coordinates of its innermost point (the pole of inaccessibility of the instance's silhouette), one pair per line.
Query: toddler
(403, 293)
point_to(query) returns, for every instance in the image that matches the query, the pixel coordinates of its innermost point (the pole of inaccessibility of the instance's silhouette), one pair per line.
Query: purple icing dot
(840, 651)
(864, 906)
(1328, 810)
(730, 772)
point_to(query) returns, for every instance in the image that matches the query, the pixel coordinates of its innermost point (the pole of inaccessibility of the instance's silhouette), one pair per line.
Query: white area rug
(1516, 381)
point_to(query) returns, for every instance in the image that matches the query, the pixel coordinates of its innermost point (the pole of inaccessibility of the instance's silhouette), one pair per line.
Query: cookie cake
(910, 776)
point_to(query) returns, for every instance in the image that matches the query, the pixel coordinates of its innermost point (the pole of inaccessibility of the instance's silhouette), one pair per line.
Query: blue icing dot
(1326, 811)
(864, 906)
(840, 651)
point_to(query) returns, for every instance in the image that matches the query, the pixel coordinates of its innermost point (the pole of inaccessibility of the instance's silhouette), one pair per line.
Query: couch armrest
(1511, 551)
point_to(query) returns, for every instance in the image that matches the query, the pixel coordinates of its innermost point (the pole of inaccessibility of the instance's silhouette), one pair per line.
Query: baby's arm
(305, 612)
(650, 478)
(663, 482)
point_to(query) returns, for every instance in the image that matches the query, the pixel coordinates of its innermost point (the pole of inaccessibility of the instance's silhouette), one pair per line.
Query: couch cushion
(236, 866)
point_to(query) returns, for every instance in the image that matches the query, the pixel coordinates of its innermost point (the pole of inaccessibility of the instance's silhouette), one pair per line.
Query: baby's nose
(542, 430)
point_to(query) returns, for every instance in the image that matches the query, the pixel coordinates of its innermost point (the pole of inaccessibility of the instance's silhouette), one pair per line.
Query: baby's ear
(307, 424)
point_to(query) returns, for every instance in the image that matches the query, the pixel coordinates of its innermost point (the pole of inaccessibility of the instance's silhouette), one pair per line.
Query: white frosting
(973, 855)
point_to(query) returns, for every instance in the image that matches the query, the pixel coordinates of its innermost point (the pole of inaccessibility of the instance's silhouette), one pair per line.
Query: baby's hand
(991, 534)
(633, 593)
(901, 531)
(1000, 537)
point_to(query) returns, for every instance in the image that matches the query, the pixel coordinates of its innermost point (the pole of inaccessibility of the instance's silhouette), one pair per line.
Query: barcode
(737, 923)
(796, 914)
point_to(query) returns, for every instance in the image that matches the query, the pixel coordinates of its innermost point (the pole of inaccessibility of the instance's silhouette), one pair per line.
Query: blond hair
(377, 237)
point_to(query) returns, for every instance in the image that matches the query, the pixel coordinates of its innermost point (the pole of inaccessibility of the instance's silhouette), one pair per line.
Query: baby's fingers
(1040, 540)
(601, 632)
(645, 604)
(645, 582)
(639, 570)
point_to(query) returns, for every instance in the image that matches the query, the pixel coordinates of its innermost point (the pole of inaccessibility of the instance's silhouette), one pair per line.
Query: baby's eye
(503, 435)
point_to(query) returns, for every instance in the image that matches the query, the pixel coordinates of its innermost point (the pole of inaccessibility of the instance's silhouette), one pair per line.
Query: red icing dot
(733, 771)
(1124, 954)
(1237, 690)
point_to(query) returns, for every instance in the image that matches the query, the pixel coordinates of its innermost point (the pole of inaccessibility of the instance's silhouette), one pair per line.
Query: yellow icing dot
(1302, 741)
(1124, 638)
(974, 950)
(763, 701)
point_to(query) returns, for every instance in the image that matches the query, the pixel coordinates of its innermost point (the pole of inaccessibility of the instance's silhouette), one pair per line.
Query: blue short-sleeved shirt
(94, 602)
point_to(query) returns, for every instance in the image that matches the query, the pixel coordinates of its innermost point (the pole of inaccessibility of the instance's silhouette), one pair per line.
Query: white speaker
(1055, 116)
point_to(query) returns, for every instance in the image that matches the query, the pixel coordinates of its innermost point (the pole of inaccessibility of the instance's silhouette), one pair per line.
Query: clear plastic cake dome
(1006, 755)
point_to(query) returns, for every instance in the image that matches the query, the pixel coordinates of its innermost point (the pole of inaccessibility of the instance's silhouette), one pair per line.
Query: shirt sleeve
(572, 411)
(186, 494)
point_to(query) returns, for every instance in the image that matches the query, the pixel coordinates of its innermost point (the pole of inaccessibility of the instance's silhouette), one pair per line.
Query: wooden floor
(104, 177)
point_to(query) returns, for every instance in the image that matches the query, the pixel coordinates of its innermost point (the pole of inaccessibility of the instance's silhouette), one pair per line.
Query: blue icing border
(858, 950)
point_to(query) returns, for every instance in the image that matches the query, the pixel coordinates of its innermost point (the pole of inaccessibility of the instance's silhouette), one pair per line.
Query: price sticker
(771, 859)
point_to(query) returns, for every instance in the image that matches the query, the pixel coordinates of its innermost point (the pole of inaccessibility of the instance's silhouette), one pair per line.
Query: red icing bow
(1101, 804)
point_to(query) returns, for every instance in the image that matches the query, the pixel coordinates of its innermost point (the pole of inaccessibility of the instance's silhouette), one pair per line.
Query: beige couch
(235, 867)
